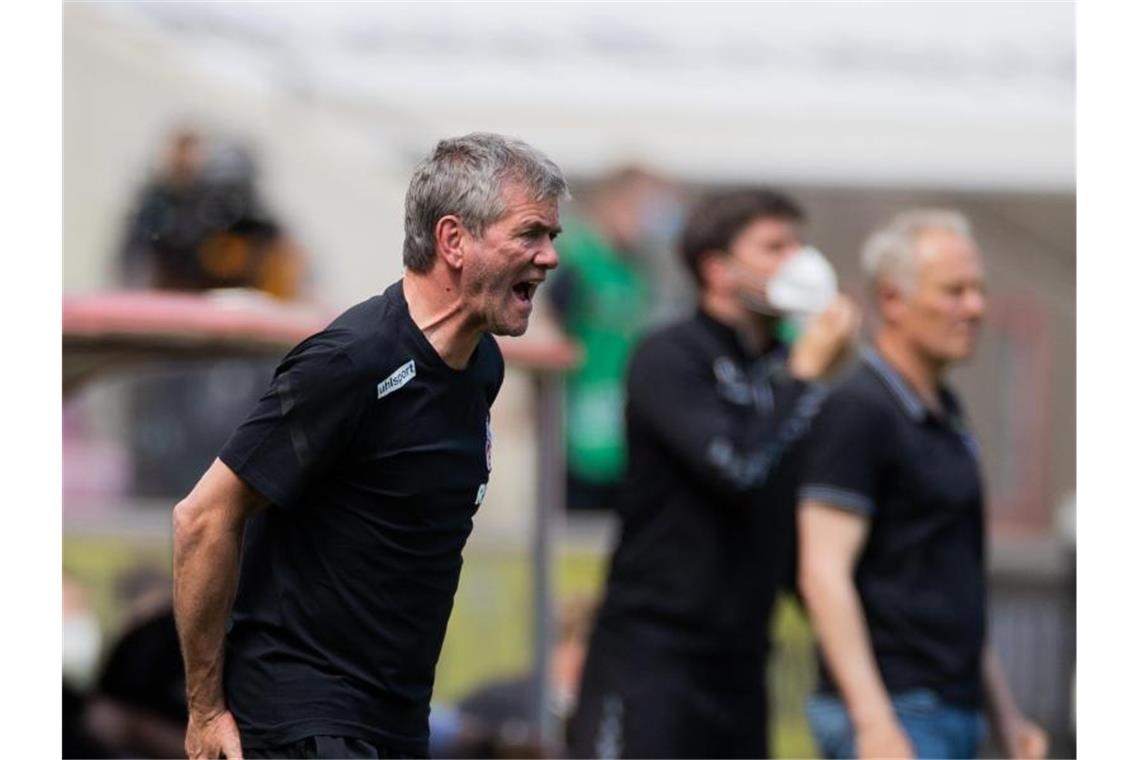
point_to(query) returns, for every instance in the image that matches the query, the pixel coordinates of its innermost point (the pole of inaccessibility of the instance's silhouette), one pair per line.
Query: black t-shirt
(707, 504)
(375, 455)
(877, 450)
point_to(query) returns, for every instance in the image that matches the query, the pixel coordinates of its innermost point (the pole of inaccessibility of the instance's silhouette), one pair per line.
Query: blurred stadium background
(857, 109)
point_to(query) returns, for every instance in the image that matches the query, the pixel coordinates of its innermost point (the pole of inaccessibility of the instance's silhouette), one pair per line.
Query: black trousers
(637, 703)
(343, 747)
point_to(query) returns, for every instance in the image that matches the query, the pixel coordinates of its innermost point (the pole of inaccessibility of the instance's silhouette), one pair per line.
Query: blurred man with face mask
(892, 552)
(676, 665)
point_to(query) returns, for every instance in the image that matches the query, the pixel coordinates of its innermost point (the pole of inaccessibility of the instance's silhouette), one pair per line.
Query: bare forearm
(206, 556)
(837, 616)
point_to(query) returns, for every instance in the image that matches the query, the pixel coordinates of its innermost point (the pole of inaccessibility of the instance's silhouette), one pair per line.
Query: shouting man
(355, 479)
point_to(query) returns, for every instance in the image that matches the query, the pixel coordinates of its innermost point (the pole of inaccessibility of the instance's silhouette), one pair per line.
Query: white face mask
(805, 284)
(82, 642)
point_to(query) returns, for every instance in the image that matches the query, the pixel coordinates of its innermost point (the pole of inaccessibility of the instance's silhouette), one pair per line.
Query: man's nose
(975, 304)
(547, 257)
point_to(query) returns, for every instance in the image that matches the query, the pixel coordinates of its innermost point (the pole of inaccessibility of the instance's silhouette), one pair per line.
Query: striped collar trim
(911, 403)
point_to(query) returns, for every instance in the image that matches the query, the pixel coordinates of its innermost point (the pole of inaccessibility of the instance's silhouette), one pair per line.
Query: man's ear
(713, 266)
(450, 240)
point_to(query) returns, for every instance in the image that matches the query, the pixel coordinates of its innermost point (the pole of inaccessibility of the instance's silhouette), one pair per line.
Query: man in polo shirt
(892, 547)
(355, 479)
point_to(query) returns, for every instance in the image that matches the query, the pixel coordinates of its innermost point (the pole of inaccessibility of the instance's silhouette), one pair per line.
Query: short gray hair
(464, 176)
(890, 251)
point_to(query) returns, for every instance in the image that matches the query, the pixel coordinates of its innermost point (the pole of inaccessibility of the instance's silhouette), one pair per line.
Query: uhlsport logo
(397, 379)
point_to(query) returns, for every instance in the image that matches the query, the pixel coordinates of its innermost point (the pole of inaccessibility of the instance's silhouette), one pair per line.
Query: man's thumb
(232, 747)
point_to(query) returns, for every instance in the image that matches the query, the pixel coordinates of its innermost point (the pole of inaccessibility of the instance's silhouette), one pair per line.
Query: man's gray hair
(465, 176)
(890, 252)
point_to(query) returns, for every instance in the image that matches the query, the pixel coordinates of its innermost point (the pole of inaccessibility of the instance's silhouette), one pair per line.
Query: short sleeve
(843, 453)
(302, 425)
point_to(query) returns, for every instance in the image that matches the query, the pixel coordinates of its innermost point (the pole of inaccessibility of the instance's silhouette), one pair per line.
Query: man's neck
(754, 330)
(436, 308)
(923, 373)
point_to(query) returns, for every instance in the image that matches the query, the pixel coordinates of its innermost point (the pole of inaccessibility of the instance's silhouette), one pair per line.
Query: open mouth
(524, 290)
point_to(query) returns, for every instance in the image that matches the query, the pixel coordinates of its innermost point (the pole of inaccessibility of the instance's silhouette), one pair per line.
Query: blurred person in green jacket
(602, 296)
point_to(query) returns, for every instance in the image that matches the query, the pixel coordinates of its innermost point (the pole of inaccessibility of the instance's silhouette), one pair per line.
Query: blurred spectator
(891, 515)
(200, 224)
(165, 230)
(82, 636)
(677, 660)
(602, 295)
(82, 641)
(497, 719)
(138, 706)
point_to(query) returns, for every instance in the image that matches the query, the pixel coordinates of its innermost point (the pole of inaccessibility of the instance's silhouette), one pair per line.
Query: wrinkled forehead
(518, 199)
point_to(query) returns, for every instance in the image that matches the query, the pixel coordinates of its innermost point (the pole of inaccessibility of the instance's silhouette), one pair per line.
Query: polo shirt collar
(910, 401)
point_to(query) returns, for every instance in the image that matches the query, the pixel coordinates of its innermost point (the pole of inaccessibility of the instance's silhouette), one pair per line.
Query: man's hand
(883, 739)
(213, 736)
(826, 340)
(1020, 737)
(1025, 740)
(208, 526)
